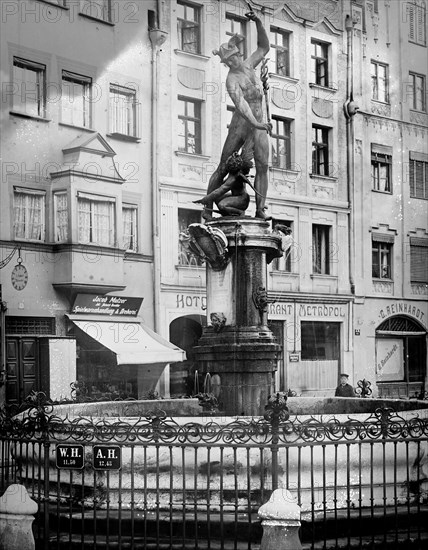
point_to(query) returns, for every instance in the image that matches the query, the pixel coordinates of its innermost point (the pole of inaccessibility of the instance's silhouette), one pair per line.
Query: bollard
(16, 516)
(281, 521)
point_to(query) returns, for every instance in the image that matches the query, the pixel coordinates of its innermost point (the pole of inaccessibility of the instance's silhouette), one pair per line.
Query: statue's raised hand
(251, 16)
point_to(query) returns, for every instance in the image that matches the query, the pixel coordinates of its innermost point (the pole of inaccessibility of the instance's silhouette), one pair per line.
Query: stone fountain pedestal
(237, 348)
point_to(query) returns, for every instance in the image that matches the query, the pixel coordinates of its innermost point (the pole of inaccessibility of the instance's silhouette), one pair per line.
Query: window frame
(376, 78)
(318, 61)
(186, 258)
(321, 264)
(134, 234)
(414, 77)
(86, 83)
(379, 160)
(317, 147)
(381, 247)
(417, 14)
(40, 70)
(198, 125)
(106, 14)
(419, 256)
(284, 263)
(93, 198)
(413, 175)
(29, 192)
(57, 227)
(196, 24)
(274, 32)
(117, 90)
(316, 342)
(284, 138)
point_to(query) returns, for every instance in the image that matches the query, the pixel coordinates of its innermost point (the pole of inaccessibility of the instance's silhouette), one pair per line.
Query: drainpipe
(350, 109)
(157, 38)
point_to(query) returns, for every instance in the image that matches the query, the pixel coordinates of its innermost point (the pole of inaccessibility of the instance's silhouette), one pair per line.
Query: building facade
(390, 174)
(76, 198)
(329, 293)
(107, 144)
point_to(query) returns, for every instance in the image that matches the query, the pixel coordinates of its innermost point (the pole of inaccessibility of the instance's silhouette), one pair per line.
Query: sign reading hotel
(106, 305)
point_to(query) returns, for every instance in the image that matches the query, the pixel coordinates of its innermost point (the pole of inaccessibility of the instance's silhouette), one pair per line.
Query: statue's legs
(261, 158)
(257, 147)
(234, 141)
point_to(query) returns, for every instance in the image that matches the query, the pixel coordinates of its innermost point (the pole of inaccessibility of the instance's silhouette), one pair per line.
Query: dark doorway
(22, 367)
(184, 332)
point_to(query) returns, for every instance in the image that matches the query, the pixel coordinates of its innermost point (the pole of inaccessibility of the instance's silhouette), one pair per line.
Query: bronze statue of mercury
(247, 131)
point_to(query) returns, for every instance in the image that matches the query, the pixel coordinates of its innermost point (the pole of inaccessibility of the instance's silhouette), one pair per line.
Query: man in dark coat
(344, 389)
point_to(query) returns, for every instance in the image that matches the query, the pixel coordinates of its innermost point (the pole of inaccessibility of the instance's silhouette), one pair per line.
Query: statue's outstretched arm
(262, 41)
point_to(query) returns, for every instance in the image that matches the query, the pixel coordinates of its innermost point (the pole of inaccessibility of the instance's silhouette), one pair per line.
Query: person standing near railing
(344, 389)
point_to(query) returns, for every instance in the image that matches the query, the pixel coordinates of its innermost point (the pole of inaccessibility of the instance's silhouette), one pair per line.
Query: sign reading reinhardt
(106, 305)
(70, 457)
(107, 457)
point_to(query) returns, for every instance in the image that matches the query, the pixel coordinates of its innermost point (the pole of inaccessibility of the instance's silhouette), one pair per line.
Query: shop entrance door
(22, 368)
(400, 358)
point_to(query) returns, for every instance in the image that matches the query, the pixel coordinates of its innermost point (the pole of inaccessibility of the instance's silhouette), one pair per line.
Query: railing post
(16, 516)
(281, 521)
(276, 411)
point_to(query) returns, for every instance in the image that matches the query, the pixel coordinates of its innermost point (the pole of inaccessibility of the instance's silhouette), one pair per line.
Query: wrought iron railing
(180, 483)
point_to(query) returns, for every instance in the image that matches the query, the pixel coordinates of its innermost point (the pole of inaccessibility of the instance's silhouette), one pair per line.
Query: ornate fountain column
(237, 344)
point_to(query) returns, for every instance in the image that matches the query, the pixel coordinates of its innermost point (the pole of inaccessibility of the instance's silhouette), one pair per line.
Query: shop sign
(402, 307)
(293, 357)
(70, 457)
(389, 359)
(191, 301)
(308, 310)
(107, 457)
(106, 305)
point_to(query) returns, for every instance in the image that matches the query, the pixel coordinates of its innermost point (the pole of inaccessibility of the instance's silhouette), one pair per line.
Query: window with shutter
(416, 12)
(418, 170)
(419, 260)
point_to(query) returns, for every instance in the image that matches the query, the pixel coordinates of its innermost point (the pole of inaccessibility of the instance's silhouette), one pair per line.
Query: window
(189, 125)
(418, 260)
(189, 29)
(29, 214)
(29, 81)
(320, 158)
(123, 111)
(319, 63)
(416, 10)
(284, 263)
(418, 175)
(321, 249)
(129, 218)
(185, 218)
(381, 257)
(96, 219)
(61, 217)
(417, 92)
(280, 143)
(99, 9)
(280, 51)
(320, 341)
(76, 99)
(379, 76)
(381, 163)
(237, 25)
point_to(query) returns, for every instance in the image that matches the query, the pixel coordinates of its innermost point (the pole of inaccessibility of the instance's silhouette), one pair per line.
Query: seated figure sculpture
(231, 197)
